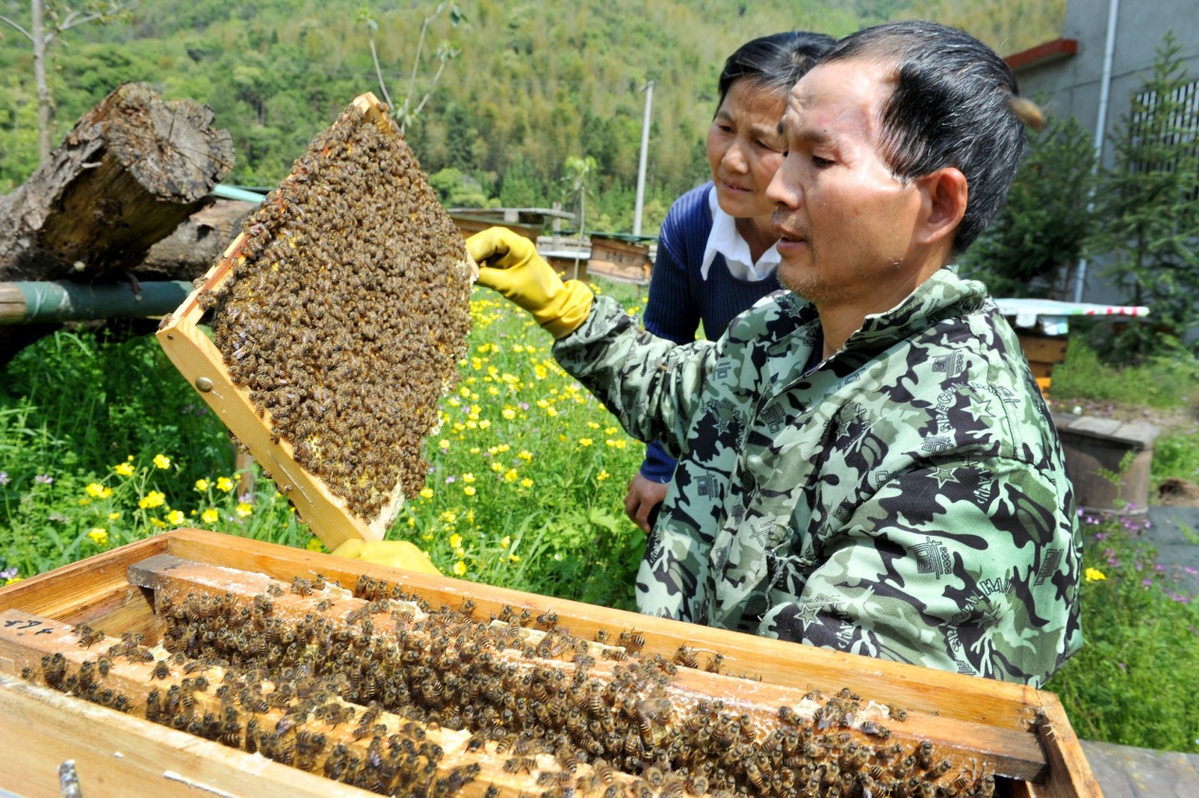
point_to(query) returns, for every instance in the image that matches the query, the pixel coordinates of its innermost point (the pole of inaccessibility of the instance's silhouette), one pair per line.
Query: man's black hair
(951, 106)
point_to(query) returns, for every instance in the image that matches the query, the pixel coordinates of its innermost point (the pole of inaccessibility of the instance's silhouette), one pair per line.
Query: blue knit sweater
(680, 300)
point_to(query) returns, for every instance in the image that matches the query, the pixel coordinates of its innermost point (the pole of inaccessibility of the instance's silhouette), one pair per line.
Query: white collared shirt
(725, 240)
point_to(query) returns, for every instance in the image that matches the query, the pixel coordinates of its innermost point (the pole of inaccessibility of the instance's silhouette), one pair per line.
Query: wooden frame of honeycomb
(132, 623)
(340, 313)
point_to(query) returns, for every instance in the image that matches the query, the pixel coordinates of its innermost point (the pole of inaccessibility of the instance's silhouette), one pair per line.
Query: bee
(161, 670)
(632, 640)
(520, 764)
(274, 589)
(685, 656)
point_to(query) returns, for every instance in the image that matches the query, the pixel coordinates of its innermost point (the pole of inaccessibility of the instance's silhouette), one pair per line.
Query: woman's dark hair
(950, 106)
(774, 62)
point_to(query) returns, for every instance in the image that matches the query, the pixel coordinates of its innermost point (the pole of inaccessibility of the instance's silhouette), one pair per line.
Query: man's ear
(944, 193)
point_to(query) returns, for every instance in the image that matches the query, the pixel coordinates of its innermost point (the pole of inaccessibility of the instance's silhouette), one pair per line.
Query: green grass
(102, 443)
(1166, 381)
(1133, 681)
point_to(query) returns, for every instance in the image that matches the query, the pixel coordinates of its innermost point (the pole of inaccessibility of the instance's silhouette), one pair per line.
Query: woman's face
(745, 148)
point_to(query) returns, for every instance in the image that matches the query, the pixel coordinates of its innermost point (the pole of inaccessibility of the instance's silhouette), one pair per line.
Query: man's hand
(642, 501)
(509, 264)
(393, 553)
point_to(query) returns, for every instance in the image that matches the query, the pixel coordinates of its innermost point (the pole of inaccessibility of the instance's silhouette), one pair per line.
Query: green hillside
(533, 83)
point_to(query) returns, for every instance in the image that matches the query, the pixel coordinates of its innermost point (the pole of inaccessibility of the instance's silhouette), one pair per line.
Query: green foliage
(102, 442)
(532, 83)
(1032, 246)
(1150, 207)
(1133, 681)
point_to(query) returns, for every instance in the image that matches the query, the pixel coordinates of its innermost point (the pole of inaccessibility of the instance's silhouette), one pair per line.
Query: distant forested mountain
(530, 84)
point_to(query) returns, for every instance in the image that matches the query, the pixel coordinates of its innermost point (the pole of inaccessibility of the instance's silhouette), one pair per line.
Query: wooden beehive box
(1016, 732)
(356, 297)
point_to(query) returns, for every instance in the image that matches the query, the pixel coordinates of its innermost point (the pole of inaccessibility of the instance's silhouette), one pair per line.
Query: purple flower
(1113, 562)
(450, 480)
(523, 405)
(4, 480)
(1146, 582)
(44, 479)
(1161, 569)
(1121, 666)
(57, 517)
(8, 573)
(1100, 536)
(1190, 570)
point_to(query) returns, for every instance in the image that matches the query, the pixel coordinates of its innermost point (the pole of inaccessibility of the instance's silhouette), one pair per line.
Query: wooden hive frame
(1024, 729)
(202, 364)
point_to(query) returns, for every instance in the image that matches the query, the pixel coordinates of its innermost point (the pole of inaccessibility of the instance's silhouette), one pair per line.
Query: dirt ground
(1172, 421)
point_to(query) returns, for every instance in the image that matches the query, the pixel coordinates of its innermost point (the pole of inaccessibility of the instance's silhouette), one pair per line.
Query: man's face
(846, 223)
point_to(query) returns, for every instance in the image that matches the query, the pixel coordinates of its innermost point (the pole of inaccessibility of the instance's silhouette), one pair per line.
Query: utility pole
(649, 102)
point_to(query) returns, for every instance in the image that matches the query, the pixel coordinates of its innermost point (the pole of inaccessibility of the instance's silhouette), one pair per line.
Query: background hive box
(116, 754)
(341, 312)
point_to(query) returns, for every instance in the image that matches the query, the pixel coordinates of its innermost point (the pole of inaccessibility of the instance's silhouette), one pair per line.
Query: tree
(410, 110)
(521, 187)
(577, 179)
(47, 22)
(1149, 204)
(1033, 246)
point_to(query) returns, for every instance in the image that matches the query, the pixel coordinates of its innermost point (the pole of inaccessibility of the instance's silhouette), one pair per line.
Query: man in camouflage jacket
(905, 499)
(865, 462)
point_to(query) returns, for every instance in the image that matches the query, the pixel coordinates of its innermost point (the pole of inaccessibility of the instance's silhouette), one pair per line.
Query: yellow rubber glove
(394, 553)
(509, 264)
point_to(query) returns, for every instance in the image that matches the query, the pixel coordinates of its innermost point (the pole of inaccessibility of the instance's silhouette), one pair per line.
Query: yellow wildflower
(124, 469)
(460, 568)
(469, 490)
(455, 540)
(176, 517)
(162, 461)
(525, 455)
(224, 484)
(426, 493)
(602, 475)
(98, 535)
(510, 475)
(506, 541)
(449, 517)
(508, 413)
(526, 483)
(210, 516)
(585, 441)
(1095, 575)
(152, 499)
(99, 491)
(201, 484)
(314, 544)
(243, 509)
(114, 515)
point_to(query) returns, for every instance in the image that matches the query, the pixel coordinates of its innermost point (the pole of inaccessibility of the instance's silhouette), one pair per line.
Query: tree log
(189, 251)
(133, 169)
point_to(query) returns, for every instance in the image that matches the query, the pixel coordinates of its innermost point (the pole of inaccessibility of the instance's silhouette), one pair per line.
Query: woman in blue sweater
(716, 253)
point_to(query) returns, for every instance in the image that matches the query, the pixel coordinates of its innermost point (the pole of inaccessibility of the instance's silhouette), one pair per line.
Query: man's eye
(819, 162)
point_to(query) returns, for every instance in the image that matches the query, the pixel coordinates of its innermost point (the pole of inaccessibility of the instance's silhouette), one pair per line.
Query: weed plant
(1133, 681)
(102, 442)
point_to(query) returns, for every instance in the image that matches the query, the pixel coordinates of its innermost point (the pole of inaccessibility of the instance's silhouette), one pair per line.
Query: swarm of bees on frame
(360, 688)
(347, 310)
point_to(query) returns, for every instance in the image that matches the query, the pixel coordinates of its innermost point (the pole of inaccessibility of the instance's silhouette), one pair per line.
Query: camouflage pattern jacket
(905, 499)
